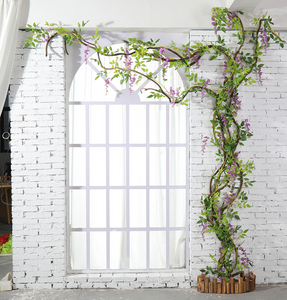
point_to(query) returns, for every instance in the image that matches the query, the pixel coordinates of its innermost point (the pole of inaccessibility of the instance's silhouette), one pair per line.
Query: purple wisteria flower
(161, 55)
(165, 66)
(128, 60)
(225, 124)
(86, 53)
(165, 61)
(247, 126)
(263, 39)
(107, 82)
(239, 61)
(229, 200)
(236, 155)
(236, 103)
(245, 259)
(232, 231)
(196, 59)
(231, 173)
(204, 86)
(220, 140)
(213, 23)
(132, 81)
(260, 76)
(204, 227)
(219, 212)
(231, 15)
(161, 51)
(174, 94)
(206, 138)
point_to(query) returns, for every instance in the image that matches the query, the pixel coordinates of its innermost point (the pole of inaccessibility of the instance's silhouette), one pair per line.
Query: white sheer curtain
(9, 23)
(127, 215)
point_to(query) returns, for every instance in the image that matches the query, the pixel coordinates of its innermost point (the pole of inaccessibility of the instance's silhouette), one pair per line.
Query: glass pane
(77, 166)
(98, 250)
(137, 165)
(118, 253)
(77, 124)
(117, 124)
(177, 208)
(117, 174)
(177, 249)
(78, 250)
(97, 124)
(137, 250)
(157, 124)
(157, 208)
(157, 250)
(177, 124)
(117, 208)
(137, 126)
(137, 208)
(78, 209)
(98, 209)
(97, 166)
(85, 88)
(157, 166)
(177, 165)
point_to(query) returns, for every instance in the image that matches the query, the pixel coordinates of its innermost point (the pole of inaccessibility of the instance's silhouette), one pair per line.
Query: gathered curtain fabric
(9, 23)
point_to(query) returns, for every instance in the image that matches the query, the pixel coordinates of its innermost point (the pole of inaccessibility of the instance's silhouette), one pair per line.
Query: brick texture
(38, 127)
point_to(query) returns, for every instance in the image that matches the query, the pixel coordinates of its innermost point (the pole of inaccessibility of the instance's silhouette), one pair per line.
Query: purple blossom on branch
(231, 173)
(260, 76)
(236, 103)
(247, 126)
(245, 259)
(132, 80)
(225, 124)
(204, 227)
(86, 53)
(263, 39)
(196, 60)
(107, 82)
(206, 138)
(128, 60)
(174, 94)
(213, 24)
(239, 61)
(204, 86)
(220, 140)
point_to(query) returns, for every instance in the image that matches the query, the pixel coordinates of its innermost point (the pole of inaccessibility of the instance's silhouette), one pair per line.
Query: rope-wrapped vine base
(244, 284)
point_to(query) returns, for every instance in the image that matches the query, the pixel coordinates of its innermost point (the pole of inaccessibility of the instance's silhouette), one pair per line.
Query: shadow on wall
(24, 13)
(15, 82)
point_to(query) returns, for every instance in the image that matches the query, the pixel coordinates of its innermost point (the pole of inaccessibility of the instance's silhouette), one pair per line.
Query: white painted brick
(39, 163)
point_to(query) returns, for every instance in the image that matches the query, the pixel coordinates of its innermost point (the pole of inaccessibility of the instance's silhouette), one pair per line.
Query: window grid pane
(135, 207)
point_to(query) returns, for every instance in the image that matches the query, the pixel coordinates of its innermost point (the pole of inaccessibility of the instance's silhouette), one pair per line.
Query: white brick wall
(265, 107)
(38, 126)
(38, 166)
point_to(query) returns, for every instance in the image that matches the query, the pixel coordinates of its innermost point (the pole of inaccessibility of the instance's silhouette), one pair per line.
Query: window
(128, 177)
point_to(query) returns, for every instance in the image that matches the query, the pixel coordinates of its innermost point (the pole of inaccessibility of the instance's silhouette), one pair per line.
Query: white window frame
(167, 187)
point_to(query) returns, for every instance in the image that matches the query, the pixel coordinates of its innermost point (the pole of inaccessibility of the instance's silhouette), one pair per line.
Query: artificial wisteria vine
(230, 174)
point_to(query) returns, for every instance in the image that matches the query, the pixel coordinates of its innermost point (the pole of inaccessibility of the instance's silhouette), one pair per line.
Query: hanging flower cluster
(87, 53)
(205, 140)
(174, 94)
(203, 90)
(107, 82)
(230, 173)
